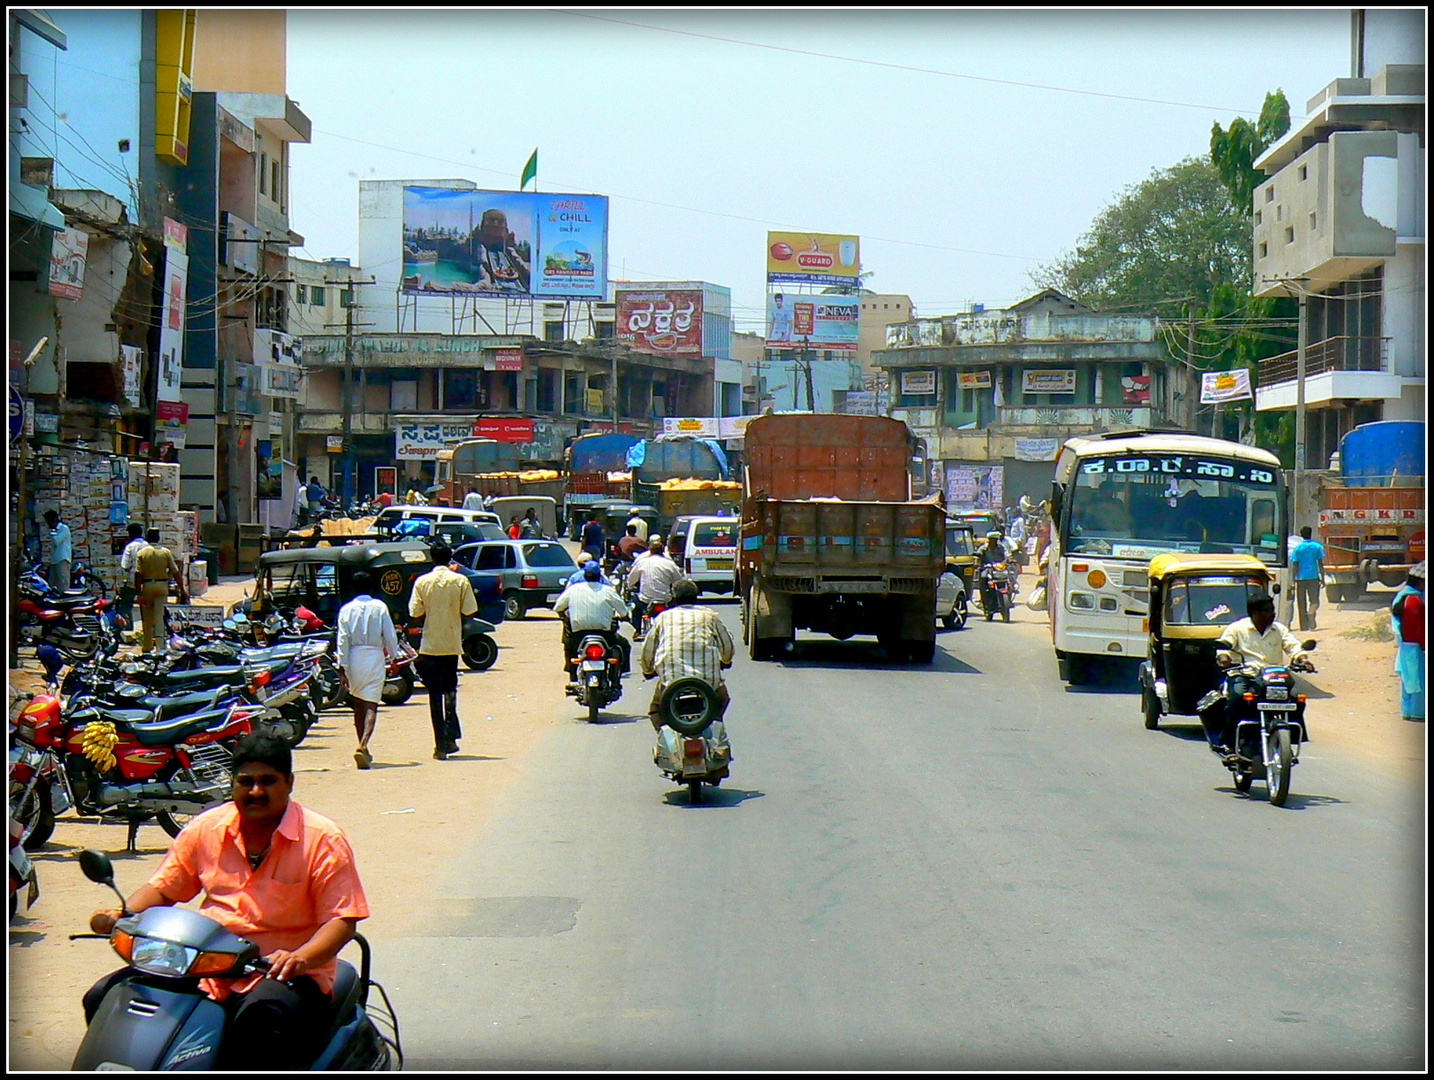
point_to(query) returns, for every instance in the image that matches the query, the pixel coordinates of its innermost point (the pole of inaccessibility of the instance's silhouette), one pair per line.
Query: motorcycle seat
(178, 729)
(235, 675)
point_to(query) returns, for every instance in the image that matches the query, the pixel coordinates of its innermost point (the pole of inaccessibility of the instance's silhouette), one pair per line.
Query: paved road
(961, 866)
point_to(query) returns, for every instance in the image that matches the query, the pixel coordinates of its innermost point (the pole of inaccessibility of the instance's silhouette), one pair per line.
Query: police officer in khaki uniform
(154, 566)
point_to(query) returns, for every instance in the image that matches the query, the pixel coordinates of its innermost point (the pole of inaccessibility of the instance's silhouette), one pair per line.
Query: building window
(606, 330)
(263, 173)
(460, 389)
(276, 184)
(1289, 234)
(346, 298)
(316, 295)
(1270, 193)
(1264, 250)
(552, 331)
(301, 294)
(1258, 216)
(1280, 212)
(1304, 172)
(1313, 224)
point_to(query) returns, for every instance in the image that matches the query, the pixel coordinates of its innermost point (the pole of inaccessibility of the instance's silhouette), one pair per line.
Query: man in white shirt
(1259, 642)
(366, 642)
(637, 523)
(653, 575)
(473, 501)
(591, 606)
(125, 594)
(60, 551)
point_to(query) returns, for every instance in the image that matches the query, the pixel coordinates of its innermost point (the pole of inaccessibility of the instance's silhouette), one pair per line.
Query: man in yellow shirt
(442, 598)
(154, 567)
(1257, 641)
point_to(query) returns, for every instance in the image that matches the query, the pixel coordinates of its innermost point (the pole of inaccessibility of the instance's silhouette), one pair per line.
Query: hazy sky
(958, 184)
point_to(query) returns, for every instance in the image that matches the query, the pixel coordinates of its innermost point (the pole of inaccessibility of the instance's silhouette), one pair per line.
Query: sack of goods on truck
(700, 485)
(619, 477)
(538, 474)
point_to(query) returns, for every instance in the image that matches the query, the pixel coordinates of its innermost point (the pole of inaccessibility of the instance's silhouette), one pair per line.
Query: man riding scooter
(1257, 642)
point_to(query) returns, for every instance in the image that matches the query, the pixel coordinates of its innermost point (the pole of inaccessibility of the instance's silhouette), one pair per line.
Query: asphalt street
(960, 866)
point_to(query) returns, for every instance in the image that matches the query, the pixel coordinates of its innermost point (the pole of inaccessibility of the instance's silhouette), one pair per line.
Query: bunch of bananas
(98, 742)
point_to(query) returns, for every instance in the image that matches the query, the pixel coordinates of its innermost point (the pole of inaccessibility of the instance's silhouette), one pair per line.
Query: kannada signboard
(1059, 381)
(667, 322)
(421, 441)
(1217, 386)
(812, 321)
(515, 429)
(974, 380)
(918, 382)
(504, 243)
(813, 258)
(703, 426)
(974, 487)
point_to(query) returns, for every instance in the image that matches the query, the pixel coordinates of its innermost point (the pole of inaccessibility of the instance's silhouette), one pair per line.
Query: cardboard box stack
(161, 482)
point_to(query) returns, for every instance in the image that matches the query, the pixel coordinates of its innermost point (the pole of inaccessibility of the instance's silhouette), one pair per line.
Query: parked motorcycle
(598, 676)
(1269, 725)
(132, 764)
(22, 872)
(75, 624)
(692, 746)
(998, 589)
(159, 1018)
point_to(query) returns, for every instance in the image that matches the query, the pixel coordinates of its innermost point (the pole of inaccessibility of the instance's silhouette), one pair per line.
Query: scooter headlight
(162, 957)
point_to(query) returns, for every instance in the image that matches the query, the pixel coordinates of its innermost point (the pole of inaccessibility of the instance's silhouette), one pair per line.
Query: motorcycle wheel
(1005, 604)
(592, 712)
(1277, 771)
(36, 815)
(694, 791)
(398, 688)
(1243, 780)
(480, 652)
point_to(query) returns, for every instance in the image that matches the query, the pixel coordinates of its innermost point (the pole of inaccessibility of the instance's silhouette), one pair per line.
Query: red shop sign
(173, 410)
(509, 359)
(503, 428)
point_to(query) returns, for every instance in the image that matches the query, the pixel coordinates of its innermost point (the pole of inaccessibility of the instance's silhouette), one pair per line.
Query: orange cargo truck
(831, 539)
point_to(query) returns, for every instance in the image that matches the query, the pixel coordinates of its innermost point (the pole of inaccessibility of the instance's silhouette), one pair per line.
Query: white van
(710, 551)
(390, 516)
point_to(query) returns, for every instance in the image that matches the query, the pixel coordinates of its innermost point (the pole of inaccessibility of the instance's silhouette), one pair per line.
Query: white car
(951, 601)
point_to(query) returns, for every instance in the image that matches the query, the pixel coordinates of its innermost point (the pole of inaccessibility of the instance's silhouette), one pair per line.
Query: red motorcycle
(71, 624)
(121, 763)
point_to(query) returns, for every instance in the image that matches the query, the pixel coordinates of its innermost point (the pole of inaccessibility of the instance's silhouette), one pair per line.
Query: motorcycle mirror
(1309, 646)
(97, 867)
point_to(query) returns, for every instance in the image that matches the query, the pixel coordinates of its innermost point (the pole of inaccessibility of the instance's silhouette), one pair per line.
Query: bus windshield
(1139, 505)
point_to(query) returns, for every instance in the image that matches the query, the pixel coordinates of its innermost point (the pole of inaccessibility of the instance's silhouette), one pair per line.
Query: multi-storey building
(1340, 224)
(1004, 388)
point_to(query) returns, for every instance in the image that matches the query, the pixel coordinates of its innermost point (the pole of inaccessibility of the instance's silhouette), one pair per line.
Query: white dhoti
(366, 671)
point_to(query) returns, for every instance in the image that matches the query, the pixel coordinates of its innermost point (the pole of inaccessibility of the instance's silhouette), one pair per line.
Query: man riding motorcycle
(592, 606)
(1257, 641)
(653, 576)
(277, 874)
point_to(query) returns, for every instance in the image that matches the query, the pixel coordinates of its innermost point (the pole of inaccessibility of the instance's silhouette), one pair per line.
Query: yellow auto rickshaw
(1192, 599)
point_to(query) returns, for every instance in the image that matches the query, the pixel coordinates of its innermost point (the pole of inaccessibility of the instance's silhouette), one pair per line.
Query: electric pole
(348, 324)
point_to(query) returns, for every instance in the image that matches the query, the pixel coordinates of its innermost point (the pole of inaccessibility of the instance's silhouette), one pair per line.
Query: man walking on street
(472, 501)
(442, 598)
(61, 551)
(366, 642)
(154, 567)
(592, 537)
(124, 593)
(1307, 560)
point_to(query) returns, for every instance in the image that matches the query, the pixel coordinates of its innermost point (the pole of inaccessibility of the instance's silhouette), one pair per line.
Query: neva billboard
(504, 243)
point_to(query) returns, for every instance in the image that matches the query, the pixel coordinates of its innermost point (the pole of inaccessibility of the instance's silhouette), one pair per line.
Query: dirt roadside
(400, 816)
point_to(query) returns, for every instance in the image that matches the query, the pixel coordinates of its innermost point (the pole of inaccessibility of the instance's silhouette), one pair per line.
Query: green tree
(1163, 244)
(1234, 151)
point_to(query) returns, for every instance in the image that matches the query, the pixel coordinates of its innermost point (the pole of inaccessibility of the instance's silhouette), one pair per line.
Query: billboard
(813, 258)
(1232, 385)
(975, 487)
(504, 243)
(171, 327)
(665, 321)
(68, 248)
(808, 320)
(1042, 381)
(918, 382)
(419, 440)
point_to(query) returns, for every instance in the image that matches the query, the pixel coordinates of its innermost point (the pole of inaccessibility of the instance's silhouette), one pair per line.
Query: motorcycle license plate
(592, 665)
(1267, 706)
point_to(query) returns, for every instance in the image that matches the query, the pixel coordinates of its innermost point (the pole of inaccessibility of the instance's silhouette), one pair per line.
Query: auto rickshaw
(1192, 599)
(614, 514)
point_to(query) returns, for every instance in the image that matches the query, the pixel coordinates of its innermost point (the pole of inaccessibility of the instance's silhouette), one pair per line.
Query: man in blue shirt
(1307, 560)
(60, 551)
(593, 540)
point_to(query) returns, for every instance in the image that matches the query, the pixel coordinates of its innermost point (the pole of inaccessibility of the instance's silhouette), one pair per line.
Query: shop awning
(31, 203)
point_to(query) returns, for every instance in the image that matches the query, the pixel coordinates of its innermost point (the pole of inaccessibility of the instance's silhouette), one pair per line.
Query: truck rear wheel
(921, 652)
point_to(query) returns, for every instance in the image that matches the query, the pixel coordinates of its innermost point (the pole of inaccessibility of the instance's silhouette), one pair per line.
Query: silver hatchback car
(534, 572)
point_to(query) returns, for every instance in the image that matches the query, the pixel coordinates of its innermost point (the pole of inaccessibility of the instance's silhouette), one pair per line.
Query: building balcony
(1336, 369)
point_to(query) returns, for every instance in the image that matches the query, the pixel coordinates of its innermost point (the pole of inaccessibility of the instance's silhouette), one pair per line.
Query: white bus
(1122, 498)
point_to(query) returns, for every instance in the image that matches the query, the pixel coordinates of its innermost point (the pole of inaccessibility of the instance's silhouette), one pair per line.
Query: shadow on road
(611, 719)
(1184, 732)
(1293, 801)
(865, 655)
(717, 798)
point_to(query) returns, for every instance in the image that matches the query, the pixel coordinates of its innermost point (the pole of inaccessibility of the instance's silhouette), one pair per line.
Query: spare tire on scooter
(689, 706)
